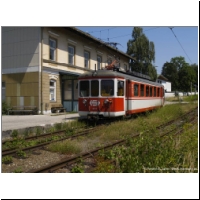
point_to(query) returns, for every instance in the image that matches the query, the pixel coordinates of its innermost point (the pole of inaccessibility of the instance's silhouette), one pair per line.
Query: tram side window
(142, 90)
(95, 88)
(150, 91)
(107, 88)
(158, 94)
(120, 88)
(84, 89)
(154, 94)
(136, 90)
(147, 91)
(163, 93)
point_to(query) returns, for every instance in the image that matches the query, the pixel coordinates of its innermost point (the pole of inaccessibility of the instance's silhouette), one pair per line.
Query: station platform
(30, 122)
(23, 122)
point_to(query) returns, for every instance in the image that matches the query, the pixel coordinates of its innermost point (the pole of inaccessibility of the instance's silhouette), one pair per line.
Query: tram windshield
(95, 88)
(107, 87)
(120, 88)
(84, 89)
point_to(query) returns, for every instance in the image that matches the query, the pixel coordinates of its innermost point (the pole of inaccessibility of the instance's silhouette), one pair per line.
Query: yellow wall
(65, 38)
(22, 85)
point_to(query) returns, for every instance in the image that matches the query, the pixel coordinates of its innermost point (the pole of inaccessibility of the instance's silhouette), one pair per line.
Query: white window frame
(52, 49)
(87, 59)
(99, 62)
(52, 95)
(71, 55)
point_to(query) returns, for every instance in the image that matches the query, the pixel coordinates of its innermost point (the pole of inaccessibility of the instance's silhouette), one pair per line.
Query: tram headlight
(106, 101)
(84, 101)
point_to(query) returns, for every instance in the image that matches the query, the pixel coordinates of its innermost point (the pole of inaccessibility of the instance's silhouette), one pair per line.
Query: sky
(169, 41)
(156, 17)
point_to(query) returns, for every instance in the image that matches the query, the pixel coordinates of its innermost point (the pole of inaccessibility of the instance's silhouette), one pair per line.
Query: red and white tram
(108, 93)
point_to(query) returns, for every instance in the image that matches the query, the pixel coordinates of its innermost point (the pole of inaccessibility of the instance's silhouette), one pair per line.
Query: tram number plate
(94, 102)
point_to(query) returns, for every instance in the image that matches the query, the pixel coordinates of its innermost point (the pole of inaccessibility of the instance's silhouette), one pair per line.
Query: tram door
(121, 95)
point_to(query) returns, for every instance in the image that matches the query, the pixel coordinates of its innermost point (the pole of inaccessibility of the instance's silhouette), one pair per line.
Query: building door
(70, 95)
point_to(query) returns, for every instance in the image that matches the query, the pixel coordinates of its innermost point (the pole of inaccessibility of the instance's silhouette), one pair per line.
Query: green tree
(187, 77)
(170, 71)
(195, 67)
(180, 74)
(179, 62)
(152, 72)
(143, 52)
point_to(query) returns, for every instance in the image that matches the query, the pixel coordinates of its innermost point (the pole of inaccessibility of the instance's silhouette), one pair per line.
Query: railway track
(67, 162)
(91, 155)
(7, 152)
(41, 145)
(179, 118)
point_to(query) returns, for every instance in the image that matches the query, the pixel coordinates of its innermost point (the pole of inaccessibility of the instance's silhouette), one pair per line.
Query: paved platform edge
(7, 134)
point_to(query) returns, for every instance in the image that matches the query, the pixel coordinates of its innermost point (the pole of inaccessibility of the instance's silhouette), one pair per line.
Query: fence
(172, 94)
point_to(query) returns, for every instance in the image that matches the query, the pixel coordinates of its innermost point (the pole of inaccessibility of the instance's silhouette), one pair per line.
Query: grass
(152, 154)
(149, 150)
(7, 159)
(191, 98)
(65, 147)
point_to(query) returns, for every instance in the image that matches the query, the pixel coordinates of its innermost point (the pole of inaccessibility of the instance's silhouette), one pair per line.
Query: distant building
(164, 81)
(41, 65)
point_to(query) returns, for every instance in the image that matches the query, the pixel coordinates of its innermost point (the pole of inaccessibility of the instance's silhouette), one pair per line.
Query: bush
(5, 108)
(7, 159)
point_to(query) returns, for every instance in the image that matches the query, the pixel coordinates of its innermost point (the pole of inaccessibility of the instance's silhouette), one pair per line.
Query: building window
(68, 90)
(52, 90)
(109, 61)
(99, 61)
(3, 95)
(125, 67)
(87, 59)
(71, 55)
(52, 45)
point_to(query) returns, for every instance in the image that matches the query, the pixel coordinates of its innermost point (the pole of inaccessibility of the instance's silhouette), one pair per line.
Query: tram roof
(109, 73)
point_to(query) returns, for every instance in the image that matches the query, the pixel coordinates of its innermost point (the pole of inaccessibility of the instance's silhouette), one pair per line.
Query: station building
(164, 81)
(41, 65)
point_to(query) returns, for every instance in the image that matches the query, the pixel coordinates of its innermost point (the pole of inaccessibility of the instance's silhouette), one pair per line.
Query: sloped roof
(161, 77)
(87, 35)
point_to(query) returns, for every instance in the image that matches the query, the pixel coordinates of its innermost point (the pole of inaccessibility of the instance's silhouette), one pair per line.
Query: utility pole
(191, 88)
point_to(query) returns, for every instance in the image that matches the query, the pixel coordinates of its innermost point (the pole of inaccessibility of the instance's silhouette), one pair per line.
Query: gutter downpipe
(41, 72)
